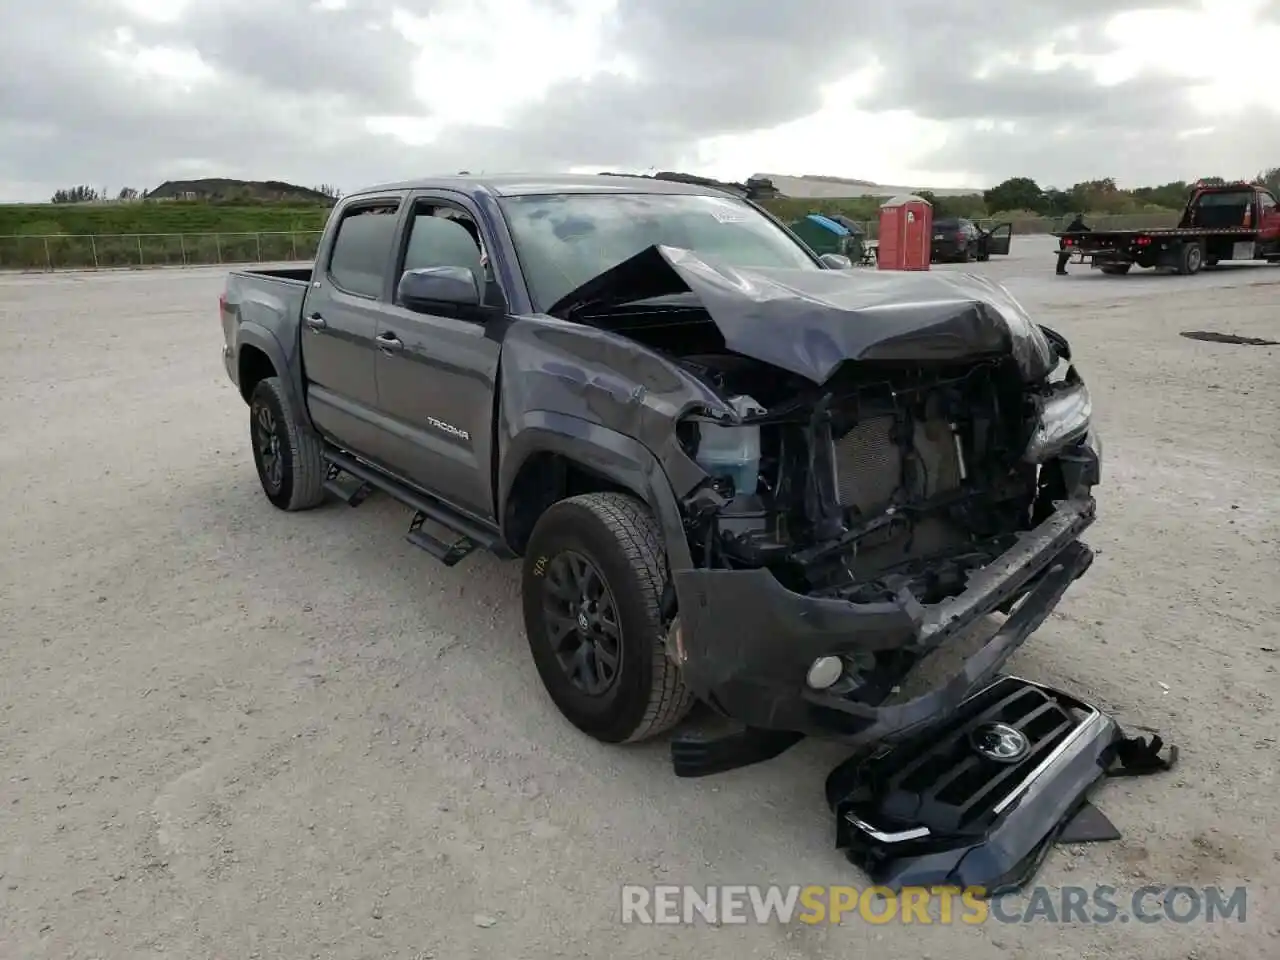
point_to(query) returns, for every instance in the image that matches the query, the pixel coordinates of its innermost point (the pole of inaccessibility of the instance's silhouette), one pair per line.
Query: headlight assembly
(1064, 418)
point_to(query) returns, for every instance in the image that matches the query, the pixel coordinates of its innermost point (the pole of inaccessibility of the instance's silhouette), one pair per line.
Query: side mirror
(836, 261)
(421, 290)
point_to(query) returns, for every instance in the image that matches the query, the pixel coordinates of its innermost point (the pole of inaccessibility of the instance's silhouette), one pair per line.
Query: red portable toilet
(906, 234)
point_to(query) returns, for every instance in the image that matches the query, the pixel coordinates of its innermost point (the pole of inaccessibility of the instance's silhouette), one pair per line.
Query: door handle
(389, 343)
(316, 322)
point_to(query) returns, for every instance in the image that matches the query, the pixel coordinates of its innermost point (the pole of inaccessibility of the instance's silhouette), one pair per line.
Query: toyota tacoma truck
(1234, 221)
(735, 472)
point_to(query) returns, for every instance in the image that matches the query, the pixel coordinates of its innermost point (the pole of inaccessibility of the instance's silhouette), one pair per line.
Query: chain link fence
(104, 251)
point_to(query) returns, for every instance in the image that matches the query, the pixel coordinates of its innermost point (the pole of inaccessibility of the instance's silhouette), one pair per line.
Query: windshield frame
(519, 239)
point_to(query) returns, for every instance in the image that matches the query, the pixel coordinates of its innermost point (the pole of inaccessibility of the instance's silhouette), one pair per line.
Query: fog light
(824, 672)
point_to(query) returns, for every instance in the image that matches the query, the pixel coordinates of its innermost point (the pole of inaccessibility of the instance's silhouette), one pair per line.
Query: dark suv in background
(957, 240)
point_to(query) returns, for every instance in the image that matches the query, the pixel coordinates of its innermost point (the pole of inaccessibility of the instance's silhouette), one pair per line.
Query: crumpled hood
(809, 322)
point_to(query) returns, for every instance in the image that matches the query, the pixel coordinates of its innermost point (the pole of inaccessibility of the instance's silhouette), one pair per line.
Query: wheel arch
(259, 355)
(556, 456)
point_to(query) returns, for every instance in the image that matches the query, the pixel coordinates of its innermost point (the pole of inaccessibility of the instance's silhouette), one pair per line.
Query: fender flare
(615, 456)
(253, 334)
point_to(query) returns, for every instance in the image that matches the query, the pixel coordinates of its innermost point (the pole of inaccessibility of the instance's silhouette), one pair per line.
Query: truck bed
(278, 291)
(286, 274)
(1241, 232)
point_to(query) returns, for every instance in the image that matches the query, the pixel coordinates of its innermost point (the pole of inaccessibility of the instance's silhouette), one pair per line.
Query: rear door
(340, 321)
(999, 239)
(437, 370)
(943, 245)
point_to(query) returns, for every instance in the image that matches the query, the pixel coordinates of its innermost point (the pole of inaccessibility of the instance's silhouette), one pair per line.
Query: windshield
(564, 240)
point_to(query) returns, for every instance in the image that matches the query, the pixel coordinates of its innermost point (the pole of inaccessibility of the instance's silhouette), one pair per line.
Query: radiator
(869, 464)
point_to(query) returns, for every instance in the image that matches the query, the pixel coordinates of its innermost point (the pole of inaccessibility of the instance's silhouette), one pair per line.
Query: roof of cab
(523, 185)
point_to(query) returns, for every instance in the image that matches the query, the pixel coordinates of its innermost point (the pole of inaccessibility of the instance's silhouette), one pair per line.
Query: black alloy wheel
(595, 573)
(267, 445)
(288, 457)
(581, 620)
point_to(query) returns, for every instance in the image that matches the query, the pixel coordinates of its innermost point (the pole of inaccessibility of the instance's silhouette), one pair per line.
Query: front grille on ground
(941, 781)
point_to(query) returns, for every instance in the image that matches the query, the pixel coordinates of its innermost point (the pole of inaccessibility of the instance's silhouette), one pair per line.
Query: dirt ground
(230, 732)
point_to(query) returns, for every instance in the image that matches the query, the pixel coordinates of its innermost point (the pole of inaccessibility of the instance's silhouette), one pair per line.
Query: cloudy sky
(921, 92)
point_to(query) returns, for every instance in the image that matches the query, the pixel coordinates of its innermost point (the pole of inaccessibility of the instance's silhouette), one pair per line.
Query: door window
(362, 249)
(442, 235)
(1268, 204)
(442, 241)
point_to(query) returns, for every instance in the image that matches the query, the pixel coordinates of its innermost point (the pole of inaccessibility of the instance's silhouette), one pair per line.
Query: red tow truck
(1231, 221)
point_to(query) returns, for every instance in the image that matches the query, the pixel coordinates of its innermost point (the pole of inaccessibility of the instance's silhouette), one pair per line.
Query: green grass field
(113, 219)
(69, 236)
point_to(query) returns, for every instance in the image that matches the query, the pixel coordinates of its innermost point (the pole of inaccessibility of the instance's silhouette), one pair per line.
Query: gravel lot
(230, 732)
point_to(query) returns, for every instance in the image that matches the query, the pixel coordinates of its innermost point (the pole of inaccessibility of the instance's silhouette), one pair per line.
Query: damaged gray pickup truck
(736, 472)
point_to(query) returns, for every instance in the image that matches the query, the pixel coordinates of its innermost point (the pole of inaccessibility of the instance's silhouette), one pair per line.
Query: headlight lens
(1064, 418)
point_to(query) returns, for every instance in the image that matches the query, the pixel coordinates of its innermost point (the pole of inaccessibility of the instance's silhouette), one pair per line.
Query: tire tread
(638, 536)
(306, 457)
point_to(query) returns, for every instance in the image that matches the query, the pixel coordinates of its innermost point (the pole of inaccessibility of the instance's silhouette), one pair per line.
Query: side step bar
(469, 534)
(334, 486)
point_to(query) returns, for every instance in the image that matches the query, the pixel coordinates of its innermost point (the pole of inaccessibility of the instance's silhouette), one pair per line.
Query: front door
(437, 371)
(340, 320)
(999, 239)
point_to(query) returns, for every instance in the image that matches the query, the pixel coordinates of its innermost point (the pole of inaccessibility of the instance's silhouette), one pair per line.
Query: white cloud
(1230, 56)
(354, 91)
(484, 60)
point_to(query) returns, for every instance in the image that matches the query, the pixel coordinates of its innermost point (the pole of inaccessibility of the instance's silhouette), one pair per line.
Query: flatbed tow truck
(1233, 221)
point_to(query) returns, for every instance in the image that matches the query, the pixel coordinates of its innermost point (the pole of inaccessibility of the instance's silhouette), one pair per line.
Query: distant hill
(222, 188)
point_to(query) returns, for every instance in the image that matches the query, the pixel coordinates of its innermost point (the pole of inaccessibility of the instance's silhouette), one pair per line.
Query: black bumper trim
(745, 641)
(893, 722)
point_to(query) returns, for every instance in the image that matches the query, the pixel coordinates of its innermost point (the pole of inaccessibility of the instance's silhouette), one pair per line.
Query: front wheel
(594, 574)
(290, 466)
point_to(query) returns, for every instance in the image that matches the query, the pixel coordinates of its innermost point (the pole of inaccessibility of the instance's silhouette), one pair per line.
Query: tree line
(87, 194)
(1100, 196)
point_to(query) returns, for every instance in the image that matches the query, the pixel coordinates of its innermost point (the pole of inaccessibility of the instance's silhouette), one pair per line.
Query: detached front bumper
(746, 642)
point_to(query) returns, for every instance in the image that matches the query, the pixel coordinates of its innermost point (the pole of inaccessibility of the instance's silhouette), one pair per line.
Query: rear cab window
(362, 248)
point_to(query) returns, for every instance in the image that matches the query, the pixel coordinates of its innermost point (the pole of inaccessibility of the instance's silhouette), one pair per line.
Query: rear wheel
(594, 574)
(1116, 269)
(290, 466)
(1190, 259)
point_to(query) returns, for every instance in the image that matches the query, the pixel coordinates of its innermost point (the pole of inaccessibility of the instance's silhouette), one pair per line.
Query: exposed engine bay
(888, 475)
(884, 478)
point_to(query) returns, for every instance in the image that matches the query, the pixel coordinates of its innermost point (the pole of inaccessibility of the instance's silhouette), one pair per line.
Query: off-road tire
(1116, 269)
(621, 539)
(301, 485)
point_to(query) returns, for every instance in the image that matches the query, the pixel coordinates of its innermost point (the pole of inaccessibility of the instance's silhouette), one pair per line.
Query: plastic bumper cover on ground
(976, 802)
